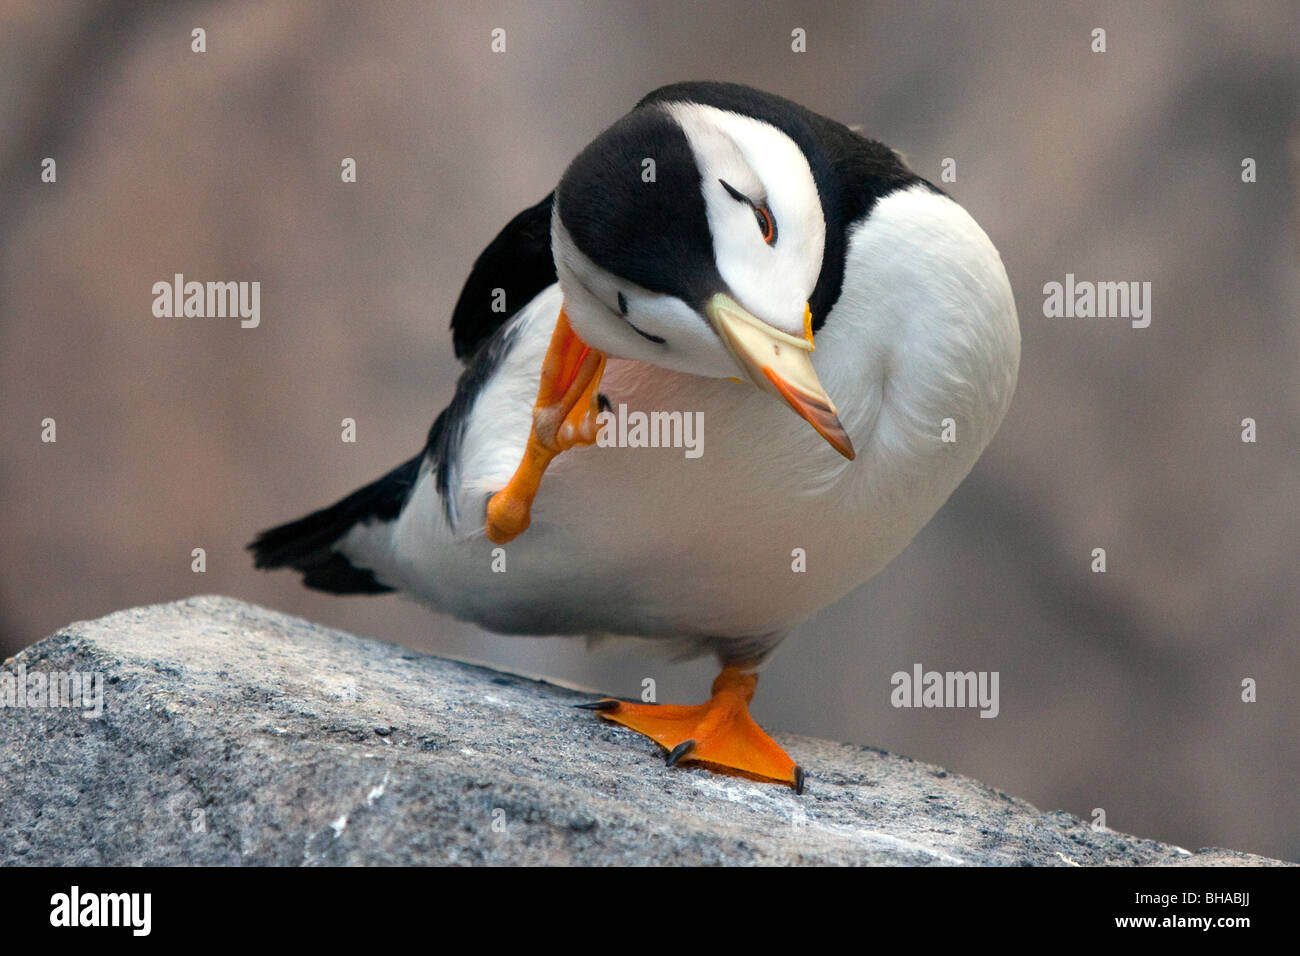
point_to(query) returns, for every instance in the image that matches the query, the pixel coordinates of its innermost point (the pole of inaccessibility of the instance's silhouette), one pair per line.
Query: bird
(842, 329)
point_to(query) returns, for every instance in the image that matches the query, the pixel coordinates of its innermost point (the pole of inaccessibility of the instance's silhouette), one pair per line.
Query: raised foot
(719, 734)
(564, 417)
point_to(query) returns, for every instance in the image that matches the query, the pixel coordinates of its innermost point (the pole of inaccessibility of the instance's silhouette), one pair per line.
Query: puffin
(842, 332)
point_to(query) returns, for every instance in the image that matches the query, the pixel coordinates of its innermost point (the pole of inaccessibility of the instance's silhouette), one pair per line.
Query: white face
(768, 235)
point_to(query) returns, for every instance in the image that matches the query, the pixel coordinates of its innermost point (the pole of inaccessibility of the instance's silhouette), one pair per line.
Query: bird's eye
(766, 224)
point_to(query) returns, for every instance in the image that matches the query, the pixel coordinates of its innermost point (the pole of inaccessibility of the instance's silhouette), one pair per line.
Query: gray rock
(234, 734)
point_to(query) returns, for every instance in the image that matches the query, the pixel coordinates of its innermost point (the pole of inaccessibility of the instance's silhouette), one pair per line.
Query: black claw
(599, 705)
(603, 401)
(678, 752)
(798, 780)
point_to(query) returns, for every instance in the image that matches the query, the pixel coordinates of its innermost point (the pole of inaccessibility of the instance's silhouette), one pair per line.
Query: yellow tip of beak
(816, 413)
(779, 362)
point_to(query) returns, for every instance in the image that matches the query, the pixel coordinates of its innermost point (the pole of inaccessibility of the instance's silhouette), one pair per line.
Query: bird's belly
(756, 527)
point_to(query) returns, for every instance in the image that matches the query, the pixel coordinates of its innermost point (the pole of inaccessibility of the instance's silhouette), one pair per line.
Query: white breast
(646, 541)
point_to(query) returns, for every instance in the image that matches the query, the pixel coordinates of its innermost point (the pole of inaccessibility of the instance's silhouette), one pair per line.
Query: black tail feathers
(307, 545)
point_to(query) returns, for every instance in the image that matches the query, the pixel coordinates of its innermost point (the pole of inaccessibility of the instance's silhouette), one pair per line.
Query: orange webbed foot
(564, 417)
(719, 733)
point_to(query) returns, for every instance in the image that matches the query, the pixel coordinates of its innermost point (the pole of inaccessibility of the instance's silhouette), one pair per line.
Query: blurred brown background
(1119, 691)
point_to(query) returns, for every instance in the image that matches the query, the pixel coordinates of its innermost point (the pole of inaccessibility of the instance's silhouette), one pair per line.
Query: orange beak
(779, 363)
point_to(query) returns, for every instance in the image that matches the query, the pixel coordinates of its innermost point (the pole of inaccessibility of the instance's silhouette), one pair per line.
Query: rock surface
(233, 734)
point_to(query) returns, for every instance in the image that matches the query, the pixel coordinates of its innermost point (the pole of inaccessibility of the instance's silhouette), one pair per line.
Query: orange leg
(564, 417)
(719, 733)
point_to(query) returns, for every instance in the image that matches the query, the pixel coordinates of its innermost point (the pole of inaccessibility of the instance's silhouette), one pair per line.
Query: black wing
(309, 544)
(519, 262)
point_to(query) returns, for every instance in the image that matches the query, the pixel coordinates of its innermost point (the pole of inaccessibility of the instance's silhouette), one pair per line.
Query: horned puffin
(844, 329)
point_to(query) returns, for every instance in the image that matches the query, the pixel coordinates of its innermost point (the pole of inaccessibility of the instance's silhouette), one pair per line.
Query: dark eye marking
(735, 193)
(763, 215)
(646, 335)
(622, 307)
